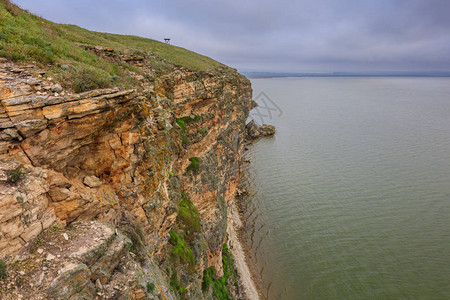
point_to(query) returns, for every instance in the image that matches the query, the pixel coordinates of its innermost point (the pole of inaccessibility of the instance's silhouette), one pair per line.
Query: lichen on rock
(121, 157)
(112, 185)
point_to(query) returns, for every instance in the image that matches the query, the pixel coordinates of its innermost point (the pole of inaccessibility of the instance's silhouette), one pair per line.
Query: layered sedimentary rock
(133, 159)
(255, 131)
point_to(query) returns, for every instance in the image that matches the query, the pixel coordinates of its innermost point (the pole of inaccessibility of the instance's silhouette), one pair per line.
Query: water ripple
(352, 193)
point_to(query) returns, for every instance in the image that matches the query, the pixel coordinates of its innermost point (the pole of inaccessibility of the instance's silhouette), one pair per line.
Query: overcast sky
(278, 35)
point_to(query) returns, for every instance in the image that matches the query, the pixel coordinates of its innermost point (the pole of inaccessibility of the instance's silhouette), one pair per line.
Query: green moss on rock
(181, 249)
(219, 285)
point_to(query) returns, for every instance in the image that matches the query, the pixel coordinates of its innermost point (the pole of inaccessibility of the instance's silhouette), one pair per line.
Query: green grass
(184, 134)
(176, 285)
(26, 38)
(219, 285)
(195, 164)
(150, 287)
(203, 130)
(188, 216)
(3, 272)
(182, 122)
(15, 175)
(228, 263)
(208, 278)
(181, 249)
(182, 237)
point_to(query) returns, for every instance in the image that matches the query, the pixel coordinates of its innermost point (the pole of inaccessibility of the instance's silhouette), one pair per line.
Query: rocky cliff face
(119, 193)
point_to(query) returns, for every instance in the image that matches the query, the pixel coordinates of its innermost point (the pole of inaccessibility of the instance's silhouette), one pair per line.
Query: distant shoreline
(372, 76)
(256, 75)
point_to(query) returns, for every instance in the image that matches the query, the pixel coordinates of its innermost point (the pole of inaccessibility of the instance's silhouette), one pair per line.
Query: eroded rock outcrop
(88, 260)
(255, 131)
(136, 159)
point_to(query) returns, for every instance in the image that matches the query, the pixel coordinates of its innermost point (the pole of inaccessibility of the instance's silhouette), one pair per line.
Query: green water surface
(352, 195)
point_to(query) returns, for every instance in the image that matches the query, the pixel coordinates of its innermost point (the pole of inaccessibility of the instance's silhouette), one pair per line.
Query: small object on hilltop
(255, 131)
(92, 181)
(167, 41)
(56, 88)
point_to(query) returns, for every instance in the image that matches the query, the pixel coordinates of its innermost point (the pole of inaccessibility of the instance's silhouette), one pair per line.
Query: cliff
(115, 189)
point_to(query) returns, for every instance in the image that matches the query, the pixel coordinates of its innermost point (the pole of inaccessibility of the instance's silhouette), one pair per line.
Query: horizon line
(269, 74)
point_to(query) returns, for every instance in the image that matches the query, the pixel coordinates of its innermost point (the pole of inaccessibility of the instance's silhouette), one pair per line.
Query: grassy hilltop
(26, 38)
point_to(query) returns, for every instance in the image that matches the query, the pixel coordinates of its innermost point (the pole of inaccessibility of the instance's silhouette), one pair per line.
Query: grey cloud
(283, 35)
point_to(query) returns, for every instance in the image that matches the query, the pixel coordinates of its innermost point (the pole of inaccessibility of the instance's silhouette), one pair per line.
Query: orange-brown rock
(123, 157)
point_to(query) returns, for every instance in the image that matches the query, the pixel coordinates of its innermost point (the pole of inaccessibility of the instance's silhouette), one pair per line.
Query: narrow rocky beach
(246, 280)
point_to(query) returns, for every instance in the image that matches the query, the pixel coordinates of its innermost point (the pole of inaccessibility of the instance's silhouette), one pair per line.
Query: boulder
(71, 281)
(252, 130)
(104, 266)
(255, 131)
(56, 88)
(92, 181)
(58, 194)
(266, 130)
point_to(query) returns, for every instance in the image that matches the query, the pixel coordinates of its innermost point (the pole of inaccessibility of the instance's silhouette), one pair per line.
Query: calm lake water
(352, 195)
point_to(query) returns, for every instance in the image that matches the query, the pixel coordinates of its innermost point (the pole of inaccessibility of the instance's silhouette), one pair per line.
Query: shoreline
(245, 278)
